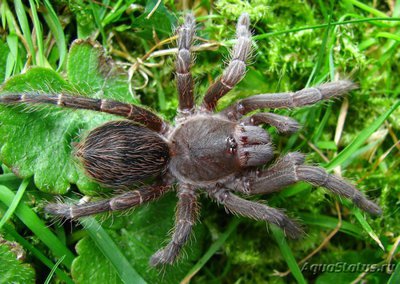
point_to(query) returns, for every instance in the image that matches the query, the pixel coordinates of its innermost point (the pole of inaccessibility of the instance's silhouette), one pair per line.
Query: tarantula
(221, 153)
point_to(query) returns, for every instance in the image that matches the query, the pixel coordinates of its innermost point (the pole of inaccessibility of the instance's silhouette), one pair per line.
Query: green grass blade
(388, 35)
(14, 203)
(110, 250)
(322, 26)
(56, 29)
(330, 223)
(360, 139)
(116, 12)
(8, 178)
(211, 251)
(396, 10)
(37, 226)
(96, 12)
(53, 270)
(287, 254)
(161, 94)
(367, 227)
(37, 253)
(23, 23)
(13, 57)
(3, 16)
(321, 52)
(12, 41)
(367, 8)
(321, 125)
(39, 34)
(395, 278)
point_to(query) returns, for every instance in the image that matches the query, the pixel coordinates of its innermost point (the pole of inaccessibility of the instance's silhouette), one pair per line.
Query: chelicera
(219, 153)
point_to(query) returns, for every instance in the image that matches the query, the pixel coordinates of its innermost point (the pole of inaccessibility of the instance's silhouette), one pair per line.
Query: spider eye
(232, 145)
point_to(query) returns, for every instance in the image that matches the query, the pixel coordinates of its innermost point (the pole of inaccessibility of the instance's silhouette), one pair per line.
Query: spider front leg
(186, 215)
(183, 61)
(128, 111)
(283, 124)
(289, 100)
(236, 67)
(290, 169)
(123, 201)
(257, 211)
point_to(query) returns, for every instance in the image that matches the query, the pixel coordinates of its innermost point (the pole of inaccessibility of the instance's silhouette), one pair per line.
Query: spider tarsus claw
(368, 206)
(336, 88)
(349, 85)
(290, 127)
(374, 209)
(189, 19)
(244, 19)
(156, 259)
(160, 258)
(292, 229)
(59, 209)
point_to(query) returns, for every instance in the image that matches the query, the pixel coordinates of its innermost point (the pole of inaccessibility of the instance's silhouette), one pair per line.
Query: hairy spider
(221, 153)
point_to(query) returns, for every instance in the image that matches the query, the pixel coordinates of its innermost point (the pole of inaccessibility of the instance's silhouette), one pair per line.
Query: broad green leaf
(13, 270)
(92, 73)
(142, 234)
(92, 263)
(38, 140)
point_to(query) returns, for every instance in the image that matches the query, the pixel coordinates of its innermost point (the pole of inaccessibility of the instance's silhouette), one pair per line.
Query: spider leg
(120, 202)
(236, 68)
(283, 124)
(183, 61)
(257, 211)
(290, 169)
(129, 111)
(290, 99)
(186, 215)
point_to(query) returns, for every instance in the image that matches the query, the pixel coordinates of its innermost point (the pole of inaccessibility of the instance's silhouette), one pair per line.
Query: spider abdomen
(118, 154)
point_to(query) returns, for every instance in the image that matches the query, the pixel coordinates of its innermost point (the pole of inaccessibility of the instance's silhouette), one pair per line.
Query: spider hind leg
(290, 169)
(186, 214)
(117, 203)
(257, 211)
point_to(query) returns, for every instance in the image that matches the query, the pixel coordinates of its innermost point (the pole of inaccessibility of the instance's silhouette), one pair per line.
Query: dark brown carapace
(220, 153)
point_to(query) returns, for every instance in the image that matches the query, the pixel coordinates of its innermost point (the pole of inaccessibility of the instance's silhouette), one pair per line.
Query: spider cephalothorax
(220, 153)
